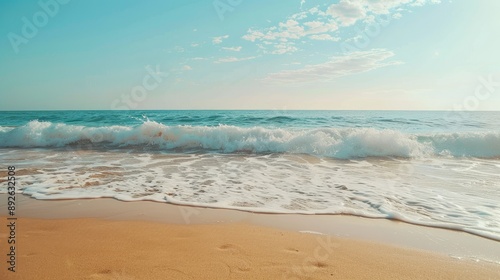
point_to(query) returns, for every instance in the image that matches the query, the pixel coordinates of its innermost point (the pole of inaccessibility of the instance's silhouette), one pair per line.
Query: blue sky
(242, 54)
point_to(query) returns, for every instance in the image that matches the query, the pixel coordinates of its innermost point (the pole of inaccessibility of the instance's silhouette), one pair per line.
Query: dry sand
(108, 239)
(103, 249)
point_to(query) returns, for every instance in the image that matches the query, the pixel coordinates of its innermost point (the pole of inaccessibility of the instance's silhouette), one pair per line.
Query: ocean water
(439, 169)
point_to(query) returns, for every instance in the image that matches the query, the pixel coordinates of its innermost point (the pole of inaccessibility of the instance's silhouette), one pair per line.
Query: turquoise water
(336, 134)
(437, 169)
(408, 121)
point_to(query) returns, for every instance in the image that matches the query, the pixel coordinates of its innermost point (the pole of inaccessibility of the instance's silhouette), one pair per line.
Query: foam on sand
(437, 192)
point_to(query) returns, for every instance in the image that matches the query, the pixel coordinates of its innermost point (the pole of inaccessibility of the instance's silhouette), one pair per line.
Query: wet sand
(109, 239)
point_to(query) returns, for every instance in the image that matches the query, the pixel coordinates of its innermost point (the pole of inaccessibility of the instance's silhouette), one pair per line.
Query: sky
(250, 54)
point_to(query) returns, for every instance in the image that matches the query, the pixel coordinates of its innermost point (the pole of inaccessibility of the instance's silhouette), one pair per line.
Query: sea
(432, 168)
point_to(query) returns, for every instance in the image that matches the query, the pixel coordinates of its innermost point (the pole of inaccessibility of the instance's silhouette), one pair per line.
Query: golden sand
(83, 248)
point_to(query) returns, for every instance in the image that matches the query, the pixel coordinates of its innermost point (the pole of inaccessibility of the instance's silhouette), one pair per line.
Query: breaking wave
(341, 143)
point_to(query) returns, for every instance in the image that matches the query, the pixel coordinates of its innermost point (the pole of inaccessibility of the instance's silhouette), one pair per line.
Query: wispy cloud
(324, 24)
(348, 12)
(233, 49)
(218, 40)
(282, 48)
(281, 37)
(324, 37)
(349, 64)
(187, 68)
(234, 59)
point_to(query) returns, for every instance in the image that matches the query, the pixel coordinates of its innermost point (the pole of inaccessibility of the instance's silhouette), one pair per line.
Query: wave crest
(342, 143)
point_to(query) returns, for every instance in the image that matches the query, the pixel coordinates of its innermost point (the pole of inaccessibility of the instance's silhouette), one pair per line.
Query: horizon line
(140, 110)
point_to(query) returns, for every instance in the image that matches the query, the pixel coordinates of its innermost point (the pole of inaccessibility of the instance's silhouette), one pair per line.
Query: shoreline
(111, 239)
(90, 248)
(454, 243)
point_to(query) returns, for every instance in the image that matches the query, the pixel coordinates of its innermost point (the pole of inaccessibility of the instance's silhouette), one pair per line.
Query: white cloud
(349, 64)
(281, 38)
(299, 16)
(348, 12)
(194, 45)
(324, 37)
(314, 24)
(318, 27)
(234, 59)
(218, 40)
(290, 29)
(187, 68)
(233, 49)
(324, 23)
(283, 48)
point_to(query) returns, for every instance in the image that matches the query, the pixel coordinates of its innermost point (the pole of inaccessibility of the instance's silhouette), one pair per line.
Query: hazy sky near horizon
(243, 54)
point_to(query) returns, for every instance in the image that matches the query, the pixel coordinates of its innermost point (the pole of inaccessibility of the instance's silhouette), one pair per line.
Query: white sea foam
(341, 143)
(441, 192)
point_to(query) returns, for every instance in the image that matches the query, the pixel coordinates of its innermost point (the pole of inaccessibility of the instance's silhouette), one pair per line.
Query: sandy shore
(108, 239)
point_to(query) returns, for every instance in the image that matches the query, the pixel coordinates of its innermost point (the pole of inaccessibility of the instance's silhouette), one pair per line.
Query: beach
(249, 195)
(224, 139)
(109, 239)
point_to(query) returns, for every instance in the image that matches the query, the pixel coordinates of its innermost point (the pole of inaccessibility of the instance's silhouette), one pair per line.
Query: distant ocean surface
(439, 169)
